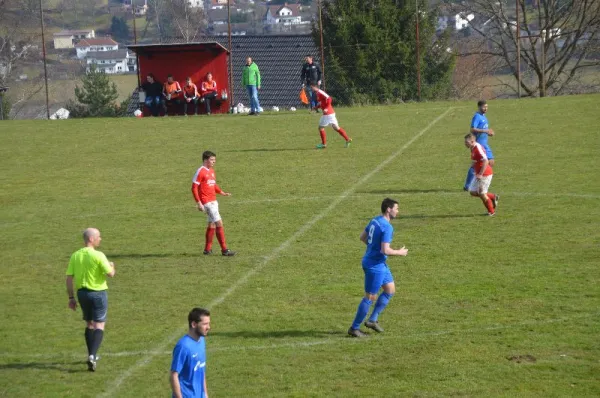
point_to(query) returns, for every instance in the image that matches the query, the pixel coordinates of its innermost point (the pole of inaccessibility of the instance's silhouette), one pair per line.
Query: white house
(140, 7)
(68, 38)
(96, 45)
(218, 4)
(196, 3)
(111, 62)
(461, 21)
(287, 14)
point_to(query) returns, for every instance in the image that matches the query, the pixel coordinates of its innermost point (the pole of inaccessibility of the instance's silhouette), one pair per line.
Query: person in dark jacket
(311, 74)
(153, 90)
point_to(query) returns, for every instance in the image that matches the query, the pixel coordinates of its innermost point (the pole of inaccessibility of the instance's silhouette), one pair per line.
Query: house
(111, 62)
(237, 29)
(196, 3)
(217, 17)
(140, 7)
(68, 38)
(218, 4)
(96, 44)
(287, 14)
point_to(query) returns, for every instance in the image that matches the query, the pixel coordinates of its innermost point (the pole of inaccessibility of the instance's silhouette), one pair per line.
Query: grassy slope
(472, 292)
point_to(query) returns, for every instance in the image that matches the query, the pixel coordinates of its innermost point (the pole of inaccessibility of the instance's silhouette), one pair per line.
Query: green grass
(473, 292)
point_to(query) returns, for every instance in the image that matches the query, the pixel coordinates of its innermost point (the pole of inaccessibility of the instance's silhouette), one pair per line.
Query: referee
(90, 268)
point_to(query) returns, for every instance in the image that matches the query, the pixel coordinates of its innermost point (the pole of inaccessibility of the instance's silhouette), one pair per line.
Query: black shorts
(94, 304)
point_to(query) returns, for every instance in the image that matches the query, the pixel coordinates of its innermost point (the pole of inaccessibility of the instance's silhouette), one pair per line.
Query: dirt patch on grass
(522, 358)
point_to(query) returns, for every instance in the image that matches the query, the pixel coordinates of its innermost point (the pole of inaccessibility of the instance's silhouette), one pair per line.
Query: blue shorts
(376, 277)
(488, 152)
(94, 304)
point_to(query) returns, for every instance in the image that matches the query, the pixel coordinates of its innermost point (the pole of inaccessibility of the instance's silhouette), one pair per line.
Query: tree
(96, 97)
(559, 40)
(175, 18)
(119, 28)
(370, 49)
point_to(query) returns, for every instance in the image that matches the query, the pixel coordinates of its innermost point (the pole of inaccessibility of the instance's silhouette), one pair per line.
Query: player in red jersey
(483, 175)
(324, 102)
(205, 190)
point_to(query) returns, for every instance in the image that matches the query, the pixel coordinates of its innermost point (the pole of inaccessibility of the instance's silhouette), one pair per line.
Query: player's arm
(70, 292)
(484, 166)
(388, 251)
(195, 188)
(475, 130)
(174, 379)
(363, 237)
(220, 191)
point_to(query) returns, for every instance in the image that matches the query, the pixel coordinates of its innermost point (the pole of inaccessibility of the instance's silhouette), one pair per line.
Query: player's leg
(209, 236)
(486, 198)
(99, 312)
(389, 289)
(373, 281)
(469, 179)
(322, 124)
(87, 312)
(341, 131)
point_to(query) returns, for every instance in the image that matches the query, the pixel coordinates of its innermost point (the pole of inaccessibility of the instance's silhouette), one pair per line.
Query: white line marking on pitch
(306, 344)
(114, 387)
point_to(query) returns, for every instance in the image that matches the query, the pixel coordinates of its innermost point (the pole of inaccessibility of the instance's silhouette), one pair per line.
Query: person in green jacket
(251, 79)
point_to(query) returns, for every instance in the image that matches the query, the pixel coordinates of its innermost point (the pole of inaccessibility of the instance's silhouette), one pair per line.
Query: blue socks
(361, 312)
(382, 302)
(470, 177)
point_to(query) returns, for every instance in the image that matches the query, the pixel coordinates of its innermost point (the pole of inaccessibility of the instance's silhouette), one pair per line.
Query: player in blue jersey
(480, 127)
(377, 236)
(188, 378)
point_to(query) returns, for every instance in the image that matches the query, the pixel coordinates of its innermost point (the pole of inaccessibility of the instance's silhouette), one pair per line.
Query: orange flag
(303, 97)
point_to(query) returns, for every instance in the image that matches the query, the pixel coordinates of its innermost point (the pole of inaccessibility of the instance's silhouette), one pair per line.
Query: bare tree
(559, 39)
(17, 42)
(187, 21)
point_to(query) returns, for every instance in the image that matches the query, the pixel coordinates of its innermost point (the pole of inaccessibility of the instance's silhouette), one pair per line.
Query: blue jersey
(480, 122)
(379, 231)
(189, 361)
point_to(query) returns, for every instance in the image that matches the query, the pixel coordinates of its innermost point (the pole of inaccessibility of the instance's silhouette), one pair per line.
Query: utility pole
(322, 49)
(518, 50)
(44, 56)
(418, 53)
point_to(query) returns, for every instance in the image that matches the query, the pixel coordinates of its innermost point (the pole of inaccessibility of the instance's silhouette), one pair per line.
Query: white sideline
(114, 387)
(326, 341)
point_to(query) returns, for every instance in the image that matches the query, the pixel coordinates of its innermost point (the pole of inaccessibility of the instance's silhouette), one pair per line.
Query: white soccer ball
(275, 109)
(260, 109)
(293, 109)
(137, 113)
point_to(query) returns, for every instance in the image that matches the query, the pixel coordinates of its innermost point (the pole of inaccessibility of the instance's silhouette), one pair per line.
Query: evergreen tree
(370, 51)
(119, 28)
(96, 97)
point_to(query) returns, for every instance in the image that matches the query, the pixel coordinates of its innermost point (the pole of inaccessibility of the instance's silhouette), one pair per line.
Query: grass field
(504, 306)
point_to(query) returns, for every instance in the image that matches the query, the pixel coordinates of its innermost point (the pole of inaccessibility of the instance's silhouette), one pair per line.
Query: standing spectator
(377, 236)
(153, 91)
(205, 190)
(324, 102)
(188, 368)
(171, 93)
(483, 175)
(311, 74)
(480, 128)
(190, 95)
(251, 80)
(90, 268)
(208, 91)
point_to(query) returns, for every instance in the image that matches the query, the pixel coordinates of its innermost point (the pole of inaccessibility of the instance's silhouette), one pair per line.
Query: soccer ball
(137, 113)
(275, 109)
(293, 109)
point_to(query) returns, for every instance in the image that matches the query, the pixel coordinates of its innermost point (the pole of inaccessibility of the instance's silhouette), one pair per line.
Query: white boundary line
(306, 344)
(306, 199)
(114, 387)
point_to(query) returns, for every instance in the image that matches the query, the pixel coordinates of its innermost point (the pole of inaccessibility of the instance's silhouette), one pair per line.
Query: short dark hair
(481, 103)
(387, 204)
(169, 76)
(207, 155)
(151, 75)
(197, 314)
(470, 136)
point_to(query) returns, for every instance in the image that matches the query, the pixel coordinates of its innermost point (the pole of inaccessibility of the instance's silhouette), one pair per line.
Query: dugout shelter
(187, 59)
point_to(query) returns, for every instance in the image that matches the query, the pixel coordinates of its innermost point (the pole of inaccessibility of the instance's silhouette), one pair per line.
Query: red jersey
(208, 87)
(325, 102)
(204, 185)
(478, 156)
